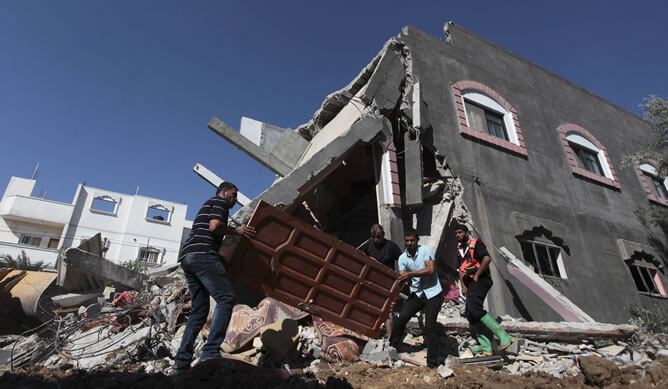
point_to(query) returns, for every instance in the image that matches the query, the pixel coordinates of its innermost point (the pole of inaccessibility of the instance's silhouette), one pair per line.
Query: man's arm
(484, 265)
(429, 268)
(219, 228)
(481, 251)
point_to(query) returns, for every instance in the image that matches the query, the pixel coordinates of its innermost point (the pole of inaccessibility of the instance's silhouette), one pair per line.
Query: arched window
(655, 186)
(105, 204)
(159, 213)
(587, 157)
(485, 115)
(543, 252)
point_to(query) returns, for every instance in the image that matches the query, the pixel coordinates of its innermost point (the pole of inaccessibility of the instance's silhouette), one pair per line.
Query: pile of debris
(133, 324)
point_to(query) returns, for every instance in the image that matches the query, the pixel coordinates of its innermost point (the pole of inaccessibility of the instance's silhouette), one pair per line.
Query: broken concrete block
(444, 371)
(387, 355)
(74, 299)
(104, 269)
(611, 350)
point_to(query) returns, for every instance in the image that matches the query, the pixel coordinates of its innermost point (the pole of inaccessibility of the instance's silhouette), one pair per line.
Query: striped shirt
(201, 240)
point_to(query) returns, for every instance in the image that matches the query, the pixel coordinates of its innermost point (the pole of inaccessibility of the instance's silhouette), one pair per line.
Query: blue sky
(118, 93)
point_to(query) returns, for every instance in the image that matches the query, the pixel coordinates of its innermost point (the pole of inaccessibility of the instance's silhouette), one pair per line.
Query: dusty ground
(596, 372)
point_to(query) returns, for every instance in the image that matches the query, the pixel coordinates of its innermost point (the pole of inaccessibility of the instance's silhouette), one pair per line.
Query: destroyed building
(434, 131)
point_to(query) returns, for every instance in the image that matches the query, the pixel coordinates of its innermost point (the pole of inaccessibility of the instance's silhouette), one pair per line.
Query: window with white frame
(543, 252)
(30, 240)
(149, 255)
(543, 258)
(486, 115)
(587, 158)
(158, 213)
(104, 204)
(645, 275)
(658, 184)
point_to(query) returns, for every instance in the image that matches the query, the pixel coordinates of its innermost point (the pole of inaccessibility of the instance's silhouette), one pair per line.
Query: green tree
(20, 262)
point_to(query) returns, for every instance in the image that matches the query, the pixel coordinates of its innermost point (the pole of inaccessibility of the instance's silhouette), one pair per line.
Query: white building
(133, 227)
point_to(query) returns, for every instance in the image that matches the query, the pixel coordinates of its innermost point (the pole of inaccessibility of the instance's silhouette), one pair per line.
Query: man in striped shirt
(205, 275)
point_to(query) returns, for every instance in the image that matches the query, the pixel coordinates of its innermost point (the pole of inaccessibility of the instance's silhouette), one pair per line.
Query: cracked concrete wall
(496, 183)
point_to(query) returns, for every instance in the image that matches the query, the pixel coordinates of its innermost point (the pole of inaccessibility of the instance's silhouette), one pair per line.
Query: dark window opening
(542, 258)
(30, 240)
(587, 159)
(659, 187)
(645, 275)
(158, 213)
(485, 120)
(148, 254)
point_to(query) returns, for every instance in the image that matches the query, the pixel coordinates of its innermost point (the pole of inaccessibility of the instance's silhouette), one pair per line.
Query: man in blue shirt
(418, 265)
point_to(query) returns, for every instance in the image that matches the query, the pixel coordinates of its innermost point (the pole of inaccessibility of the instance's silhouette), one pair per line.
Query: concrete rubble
(143, 328)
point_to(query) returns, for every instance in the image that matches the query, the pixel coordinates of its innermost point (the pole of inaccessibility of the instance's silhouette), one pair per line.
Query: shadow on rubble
(210, 374)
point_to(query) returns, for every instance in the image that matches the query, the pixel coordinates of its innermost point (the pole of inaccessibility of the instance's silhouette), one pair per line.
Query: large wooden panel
(297, 264)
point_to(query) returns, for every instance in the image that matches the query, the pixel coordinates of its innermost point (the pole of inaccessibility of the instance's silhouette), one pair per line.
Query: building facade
(133, 227)
(434, 131)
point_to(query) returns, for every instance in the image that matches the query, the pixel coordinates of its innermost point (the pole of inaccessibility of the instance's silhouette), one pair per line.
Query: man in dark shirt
(205, 275)
(384, 251)
(473, 262)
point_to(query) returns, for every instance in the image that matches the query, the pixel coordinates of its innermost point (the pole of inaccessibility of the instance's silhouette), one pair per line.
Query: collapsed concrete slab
(104, 269)
(72, 280)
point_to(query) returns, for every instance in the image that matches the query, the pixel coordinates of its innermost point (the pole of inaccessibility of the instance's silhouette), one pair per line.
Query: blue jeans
(205, 275)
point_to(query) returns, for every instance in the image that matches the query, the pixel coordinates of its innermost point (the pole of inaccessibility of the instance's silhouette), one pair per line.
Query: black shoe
(179, 369)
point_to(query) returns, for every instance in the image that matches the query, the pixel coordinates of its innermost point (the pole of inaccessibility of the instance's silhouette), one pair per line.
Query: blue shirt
(429, 285)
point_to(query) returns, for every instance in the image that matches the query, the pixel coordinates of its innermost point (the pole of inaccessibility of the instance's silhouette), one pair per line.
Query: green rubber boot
(484, 346)
(505, 340)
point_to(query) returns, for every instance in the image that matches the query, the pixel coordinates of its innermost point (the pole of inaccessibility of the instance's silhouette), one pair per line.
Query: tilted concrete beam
(269, 160)
(543, 290)
(211, 177)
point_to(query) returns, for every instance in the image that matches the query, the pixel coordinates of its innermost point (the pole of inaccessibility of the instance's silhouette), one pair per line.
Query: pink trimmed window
(485, 115)
(654, 186)
(587, 157)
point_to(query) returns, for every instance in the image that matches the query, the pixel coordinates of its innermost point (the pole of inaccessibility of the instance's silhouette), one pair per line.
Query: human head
(377, 235)
(461, 233)
(228, 192)
(411, 239)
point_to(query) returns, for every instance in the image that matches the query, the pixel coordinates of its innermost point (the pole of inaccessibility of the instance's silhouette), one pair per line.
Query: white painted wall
(127, 229)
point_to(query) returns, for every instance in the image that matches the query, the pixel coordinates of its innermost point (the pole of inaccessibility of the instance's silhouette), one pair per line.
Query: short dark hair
(377, 228)
(411, 232)
(461, 227)
(226, 185)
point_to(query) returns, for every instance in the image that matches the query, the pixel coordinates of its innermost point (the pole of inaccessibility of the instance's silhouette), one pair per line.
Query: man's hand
(465, 290)
(246, 231)
(405, 275)
(475, 277)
